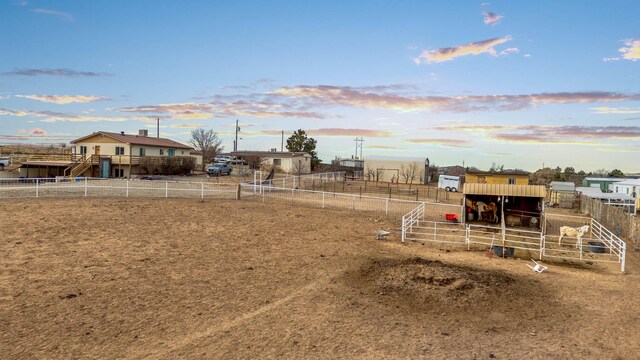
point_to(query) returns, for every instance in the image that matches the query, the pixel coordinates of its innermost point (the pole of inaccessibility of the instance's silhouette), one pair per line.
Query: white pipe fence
(96, 187)
(602, 246)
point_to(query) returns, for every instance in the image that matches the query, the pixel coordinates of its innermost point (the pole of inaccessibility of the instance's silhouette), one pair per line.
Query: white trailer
(449, 183)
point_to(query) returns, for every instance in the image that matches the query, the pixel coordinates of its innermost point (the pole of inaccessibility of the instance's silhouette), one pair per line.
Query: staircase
(80, 166)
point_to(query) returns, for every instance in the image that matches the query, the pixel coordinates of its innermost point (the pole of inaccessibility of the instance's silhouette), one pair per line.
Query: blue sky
(517, 83)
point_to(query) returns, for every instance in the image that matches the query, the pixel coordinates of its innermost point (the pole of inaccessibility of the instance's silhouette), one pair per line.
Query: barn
(517, 205)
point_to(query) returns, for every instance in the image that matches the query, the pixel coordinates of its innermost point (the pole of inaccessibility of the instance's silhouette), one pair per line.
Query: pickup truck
(4, 161)
(219, 169)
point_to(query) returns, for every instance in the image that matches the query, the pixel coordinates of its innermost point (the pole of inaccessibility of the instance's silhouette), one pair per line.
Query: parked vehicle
(4, 161)
(219, 169)
(222, 159)
(449, 183)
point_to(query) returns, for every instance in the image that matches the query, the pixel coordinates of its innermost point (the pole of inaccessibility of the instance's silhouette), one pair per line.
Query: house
(630, 187)
(289, 162)
(353, 163)
(623, 200)
(507, 177)
(604, 183)
(105, 154)
(455, 170)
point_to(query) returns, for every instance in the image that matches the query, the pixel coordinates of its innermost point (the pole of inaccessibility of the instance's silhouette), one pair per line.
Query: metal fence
(600, 246)
(96, 187)
(395, 208)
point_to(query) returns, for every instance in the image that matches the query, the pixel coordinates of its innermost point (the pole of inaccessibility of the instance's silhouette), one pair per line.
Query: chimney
(143, 132)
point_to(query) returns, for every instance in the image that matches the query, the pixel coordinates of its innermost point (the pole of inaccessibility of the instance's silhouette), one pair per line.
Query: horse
(573, 232)
(482, 207)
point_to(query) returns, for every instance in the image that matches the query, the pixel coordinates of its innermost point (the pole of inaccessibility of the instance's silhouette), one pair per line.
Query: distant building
(507, 177)
(604, 183)
(289, 162)
(455, 170)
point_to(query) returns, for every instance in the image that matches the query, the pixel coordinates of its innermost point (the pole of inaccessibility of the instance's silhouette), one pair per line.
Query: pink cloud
(491, 18)
(450, 53)
(632, 50)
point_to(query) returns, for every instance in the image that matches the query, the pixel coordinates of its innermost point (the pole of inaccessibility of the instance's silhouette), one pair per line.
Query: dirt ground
(182, 278)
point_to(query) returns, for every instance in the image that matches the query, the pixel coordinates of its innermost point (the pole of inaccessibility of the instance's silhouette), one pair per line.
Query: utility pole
(282, 143)
(358, 144)
(235, 143)
(158, 129)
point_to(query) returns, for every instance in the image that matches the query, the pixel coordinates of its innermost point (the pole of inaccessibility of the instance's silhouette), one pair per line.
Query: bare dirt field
(182, 278)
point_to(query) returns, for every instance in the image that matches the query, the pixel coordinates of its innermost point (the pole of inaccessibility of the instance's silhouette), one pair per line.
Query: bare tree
(254, 161)
(370, 173)
(379, 173)
(496, 167)
(207, 143)
(297, 168)
(409, 173)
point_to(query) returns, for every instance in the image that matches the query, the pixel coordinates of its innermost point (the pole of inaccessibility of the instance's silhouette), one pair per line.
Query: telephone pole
(235, 143)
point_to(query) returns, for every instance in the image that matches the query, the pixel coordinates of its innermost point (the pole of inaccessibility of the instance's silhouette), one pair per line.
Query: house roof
(503, 172)
(563, 186)
(596, 193)
(537, 191)
(269, 153)
(604, 179)
(137, 140)
(630, 182)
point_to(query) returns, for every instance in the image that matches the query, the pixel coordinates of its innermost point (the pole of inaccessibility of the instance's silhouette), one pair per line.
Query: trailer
(449, 182)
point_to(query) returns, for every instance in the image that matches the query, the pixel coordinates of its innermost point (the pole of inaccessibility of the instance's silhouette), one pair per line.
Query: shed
(522, 205)
(604, 183)
(563, 194)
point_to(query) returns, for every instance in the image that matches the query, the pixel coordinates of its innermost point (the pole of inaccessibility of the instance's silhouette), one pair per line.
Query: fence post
(323, 199)
(353, 202)
(541, 245)
(166, 189)
(292, 190)
(386, 207)
(85, 187)
(238, 192)
(37, 186)
(201, 190)
(404, 228)
(623, 256)
(127, 187)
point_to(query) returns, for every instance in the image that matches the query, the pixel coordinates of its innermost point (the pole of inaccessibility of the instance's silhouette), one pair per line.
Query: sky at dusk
(519, 83)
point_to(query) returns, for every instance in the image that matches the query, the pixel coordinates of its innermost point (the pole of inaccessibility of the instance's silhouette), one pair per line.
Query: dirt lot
(182, 278)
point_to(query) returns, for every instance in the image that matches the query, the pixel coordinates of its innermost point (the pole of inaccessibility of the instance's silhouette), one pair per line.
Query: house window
(482, 179)
(83, 150)
(172, 152)
(161, 152)
(119, 150)
(512, 181)
(118, 172)
(142, 152)
(277, 161)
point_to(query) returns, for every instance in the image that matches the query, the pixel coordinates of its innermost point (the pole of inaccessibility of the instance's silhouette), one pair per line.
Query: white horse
(573, 232)
(482, 207)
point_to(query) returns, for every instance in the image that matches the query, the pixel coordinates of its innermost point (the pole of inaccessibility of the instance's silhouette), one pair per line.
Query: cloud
(355, 97)
(580, 135)
(52, 117)
(53, 72)
(632, 50)
(508, 51)
(611, 110)
(383, 147)
(64, 99)
(349, 132)
(61, 14)
(610, 59)
(21, 3)
(37, 131)
(491, 18)
(450, 53)
(444, 142)
(184, 126)
(225, 109)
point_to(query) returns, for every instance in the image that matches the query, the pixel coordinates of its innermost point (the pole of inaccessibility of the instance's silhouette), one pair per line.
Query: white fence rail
(602, 246)
(330, 200)
(93, 187)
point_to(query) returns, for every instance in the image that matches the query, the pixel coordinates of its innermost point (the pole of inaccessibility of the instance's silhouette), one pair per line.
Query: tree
(543, 176)
(616, 173)
(409, 173)
(496, 167)
(207, 143)
(300, 142)
(569, 170)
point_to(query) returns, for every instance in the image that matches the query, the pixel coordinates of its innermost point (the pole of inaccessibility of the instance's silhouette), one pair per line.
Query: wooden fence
(614, 218)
